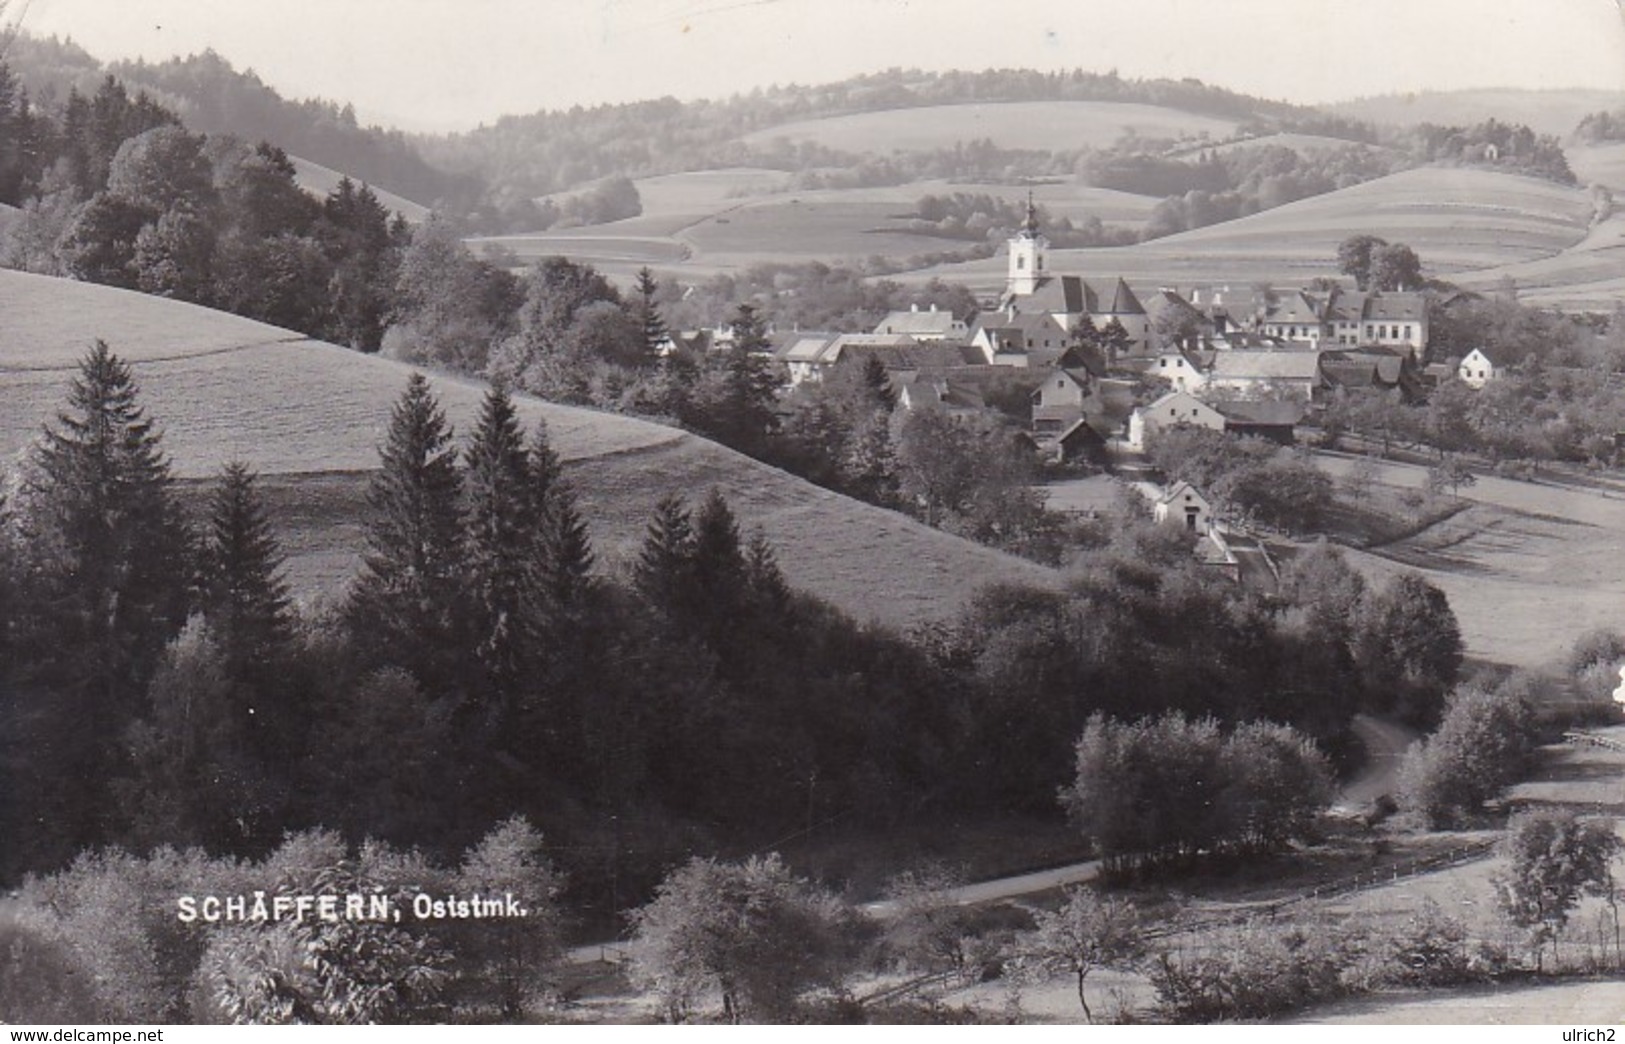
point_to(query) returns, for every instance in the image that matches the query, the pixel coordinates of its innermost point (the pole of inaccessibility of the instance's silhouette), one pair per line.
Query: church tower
(1027, 251)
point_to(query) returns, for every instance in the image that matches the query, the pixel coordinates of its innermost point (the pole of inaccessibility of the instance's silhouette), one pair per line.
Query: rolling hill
(309, 416)
(321, 181)
(1461, 221)
(1041, 125)
(1547, 112)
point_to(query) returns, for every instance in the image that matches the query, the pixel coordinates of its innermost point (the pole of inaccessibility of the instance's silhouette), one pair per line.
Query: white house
(1290, 373)
(1174, 410)
(1184, 505)
(1476, 370)
(928, 324)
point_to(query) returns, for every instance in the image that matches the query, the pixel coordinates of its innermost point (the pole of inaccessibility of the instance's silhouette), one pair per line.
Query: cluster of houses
(1250, 361)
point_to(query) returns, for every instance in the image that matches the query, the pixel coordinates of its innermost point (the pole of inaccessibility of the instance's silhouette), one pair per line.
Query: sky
(440, 65)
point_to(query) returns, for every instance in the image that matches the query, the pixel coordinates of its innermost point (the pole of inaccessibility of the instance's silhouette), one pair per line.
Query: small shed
(1184, 505)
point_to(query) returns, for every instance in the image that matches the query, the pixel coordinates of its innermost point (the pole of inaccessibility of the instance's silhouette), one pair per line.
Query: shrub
(1479, 748)
(42, 980)
(1252, 972)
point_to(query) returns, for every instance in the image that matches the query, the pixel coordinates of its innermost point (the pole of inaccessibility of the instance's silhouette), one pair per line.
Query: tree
(663, 571)
(502, 587)
(244, 594)
(654, 326)
(1551, 860)
(1480, 747)
(1395, 266)
(404, 605)
(109, 537)
(752, 931)
(1449, 473)
(512, 958)
(1086, 933)
(1356, 256)
(563, 546)
(1408, 647)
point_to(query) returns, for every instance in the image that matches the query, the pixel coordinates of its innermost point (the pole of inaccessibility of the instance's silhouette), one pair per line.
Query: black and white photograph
(812, 512)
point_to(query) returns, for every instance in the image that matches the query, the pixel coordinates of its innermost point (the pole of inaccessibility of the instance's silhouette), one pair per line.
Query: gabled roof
(1297, 307)
(1123, 301)
(1368, 366)
(807, 348)
(915, 321)
(1177, 492)
(1069, 294)
(1157, 404)
(1267, 412)
(1266, 365)
(1403, 307)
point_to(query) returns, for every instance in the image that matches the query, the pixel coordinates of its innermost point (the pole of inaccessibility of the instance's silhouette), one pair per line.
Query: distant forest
(495, 179)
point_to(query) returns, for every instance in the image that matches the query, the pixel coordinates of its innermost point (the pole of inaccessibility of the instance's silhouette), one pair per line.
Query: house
(1011, 338)
(1476, 370)
(1389, 371)
(1081, 441)
(809, 357)
(959, 398)
(1174, 410)
(1058, 401)
(1288, 373)
(1184, 505)
(1185, 369)
(1166, 310)
(927, 325)
(1316, 318)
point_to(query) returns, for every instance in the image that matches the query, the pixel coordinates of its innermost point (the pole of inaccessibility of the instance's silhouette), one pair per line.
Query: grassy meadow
(321, 181)
(309, 417)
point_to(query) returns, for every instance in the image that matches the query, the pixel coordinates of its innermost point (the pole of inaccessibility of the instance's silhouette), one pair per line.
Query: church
(1039, 310)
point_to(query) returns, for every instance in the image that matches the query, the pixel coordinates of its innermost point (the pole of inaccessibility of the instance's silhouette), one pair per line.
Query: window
(1407, 332)
(1021, 262)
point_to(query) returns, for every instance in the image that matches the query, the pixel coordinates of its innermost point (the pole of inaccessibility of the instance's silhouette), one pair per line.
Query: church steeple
(1027, 250)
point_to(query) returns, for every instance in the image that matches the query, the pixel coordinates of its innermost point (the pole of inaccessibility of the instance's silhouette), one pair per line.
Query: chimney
(915, 307)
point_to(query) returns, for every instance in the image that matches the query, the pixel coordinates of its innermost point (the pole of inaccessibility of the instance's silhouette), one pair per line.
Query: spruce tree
(404, 606)
(502, 583)
(719, 560)
(564, 554)
(649, 317)
(664, 568)
(110, 568)
(245, 595)
(110, 539)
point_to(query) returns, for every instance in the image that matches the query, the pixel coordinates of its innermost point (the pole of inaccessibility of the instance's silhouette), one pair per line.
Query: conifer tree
(564, 552)
(649, 317)
(404, 606)
(719, 561)
(502, 525)
(109, 536)
(245, 595)
(662, 573)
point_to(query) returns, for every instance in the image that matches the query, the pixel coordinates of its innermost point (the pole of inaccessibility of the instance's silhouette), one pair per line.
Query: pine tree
(110, 560)
(502, 527)
(649, 317)
(245, 596)
(564, 552)
(663, 571)
(110, 537)
(719, 560)
(404, 606)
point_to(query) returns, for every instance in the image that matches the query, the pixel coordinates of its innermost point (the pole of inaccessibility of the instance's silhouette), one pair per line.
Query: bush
(1481, 746)
(1254, 972)
(1433, 949)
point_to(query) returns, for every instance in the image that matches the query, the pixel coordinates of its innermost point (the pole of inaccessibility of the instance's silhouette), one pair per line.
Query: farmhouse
(1268, 374)
(1274, 419)
(1058, 401)
(1009, 338)
(1183, 505)
(1174, 410)
(1476, 370)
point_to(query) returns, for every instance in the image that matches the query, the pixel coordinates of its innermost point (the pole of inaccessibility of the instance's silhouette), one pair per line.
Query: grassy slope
(1458, 220)
(1048, 125)
(309, 417)
(701, 222)
(1548, 112)
(320, 181)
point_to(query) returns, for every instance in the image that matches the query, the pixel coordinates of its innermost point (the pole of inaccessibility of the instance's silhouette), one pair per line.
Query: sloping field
(1049, 126)
(1458, 220)
(1599, 164)
(309, 417)
(321, 181)
(1527, 570)
(1547, 112)
(706, 221)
